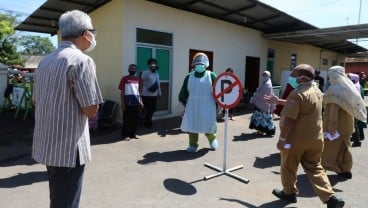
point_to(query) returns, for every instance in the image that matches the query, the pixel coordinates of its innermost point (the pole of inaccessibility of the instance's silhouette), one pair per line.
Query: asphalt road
(155, 171)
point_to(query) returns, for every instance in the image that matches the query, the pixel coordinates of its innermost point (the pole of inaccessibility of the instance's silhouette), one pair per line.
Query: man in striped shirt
(66, 94)
(131, 101)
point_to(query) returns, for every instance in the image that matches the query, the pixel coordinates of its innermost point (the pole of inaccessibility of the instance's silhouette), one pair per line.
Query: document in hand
(331, 137)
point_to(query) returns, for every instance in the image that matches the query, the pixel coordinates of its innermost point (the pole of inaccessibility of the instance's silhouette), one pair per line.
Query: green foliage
(26, 44)
(9, 55)
(8, 50)
(35, 45)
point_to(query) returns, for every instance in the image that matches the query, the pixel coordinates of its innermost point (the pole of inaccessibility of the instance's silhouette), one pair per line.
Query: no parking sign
(227, 90)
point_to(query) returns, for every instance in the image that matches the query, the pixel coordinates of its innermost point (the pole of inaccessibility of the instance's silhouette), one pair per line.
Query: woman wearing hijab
(358, 125)
(261, 119)
(342, 103)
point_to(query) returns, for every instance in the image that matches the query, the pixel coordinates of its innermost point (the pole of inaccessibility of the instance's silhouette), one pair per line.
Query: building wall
(108, 53)
(305, 54)
(118, 20)
(356, 67)
(229, 43)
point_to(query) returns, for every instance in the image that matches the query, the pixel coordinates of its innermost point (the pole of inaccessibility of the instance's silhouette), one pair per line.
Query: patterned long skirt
(262, 121)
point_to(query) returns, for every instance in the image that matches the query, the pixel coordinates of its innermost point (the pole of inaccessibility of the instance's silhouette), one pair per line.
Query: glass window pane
(154, 37)
(143, 54)
(162, 56)
(163, 101)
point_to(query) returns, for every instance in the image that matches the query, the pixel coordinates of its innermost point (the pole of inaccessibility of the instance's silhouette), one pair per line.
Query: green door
(163, 56)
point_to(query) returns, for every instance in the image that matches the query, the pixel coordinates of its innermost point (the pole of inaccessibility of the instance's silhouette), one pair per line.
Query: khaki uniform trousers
(308, 154)
(337, 155)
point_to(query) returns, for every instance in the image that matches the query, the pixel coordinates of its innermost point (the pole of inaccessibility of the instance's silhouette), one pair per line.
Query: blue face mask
(292, 81)
(199, 68)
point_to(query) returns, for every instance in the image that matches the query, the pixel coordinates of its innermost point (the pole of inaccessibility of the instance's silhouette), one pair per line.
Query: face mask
(131, 72)
(92, 44)
(200, 68)
(264, 79)
(292, 81)
(153, 67)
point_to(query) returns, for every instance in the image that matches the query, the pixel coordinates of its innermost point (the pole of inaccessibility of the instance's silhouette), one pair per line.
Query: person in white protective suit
(200, 107)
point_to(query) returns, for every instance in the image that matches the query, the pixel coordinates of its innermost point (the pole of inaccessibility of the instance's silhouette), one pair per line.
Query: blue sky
(320, 13)
(326, 13)
(25, 8)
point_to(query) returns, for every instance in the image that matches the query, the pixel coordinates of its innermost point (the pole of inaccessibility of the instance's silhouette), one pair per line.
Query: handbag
(153, 87)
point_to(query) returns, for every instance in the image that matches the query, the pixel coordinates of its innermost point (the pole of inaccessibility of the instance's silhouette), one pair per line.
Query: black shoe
(334, 202)
(125, 138)
(133, 137)
(356, 144)
(281, 195)
(347, 175)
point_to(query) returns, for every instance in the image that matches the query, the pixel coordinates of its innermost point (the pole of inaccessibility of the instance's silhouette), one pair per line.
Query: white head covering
(265, 78)
(343, 93)
(265, 88)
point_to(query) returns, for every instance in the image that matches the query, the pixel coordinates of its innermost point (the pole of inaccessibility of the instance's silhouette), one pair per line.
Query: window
(154, 37)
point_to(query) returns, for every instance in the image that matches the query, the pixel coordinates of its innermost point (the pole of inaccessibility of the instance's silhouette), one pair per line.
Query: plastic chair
(106, 113)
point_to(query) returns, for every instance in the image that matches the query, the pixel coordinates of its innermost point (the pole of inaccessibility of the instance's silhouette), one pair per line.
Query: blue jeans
(65, 185)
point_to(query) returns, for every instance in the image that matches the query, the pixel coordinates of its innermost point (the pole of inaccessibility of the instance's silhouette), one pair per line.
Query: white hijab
(343, 93)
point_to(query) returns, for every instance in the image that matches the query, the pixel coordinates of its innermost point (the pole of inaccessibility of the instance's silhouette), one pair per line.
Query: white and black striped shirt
(65, 82)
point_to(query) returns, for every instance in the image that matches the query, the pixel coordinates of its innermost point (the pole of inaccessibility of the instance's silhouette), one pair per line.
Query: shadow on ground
(179, 187)
(273, 204)
(247, 137)
(23, 179)
(268, 161)
(172, 156)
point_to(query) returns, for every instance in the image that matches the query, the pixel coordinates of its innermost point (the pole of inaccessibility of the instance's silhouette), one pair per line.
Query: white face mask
(264, 79)
(92, 44)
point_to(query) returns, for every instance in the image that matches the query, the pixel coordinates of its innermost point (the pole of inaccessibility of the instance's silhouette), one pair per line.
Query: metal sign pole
(225, 138)
(225, 171)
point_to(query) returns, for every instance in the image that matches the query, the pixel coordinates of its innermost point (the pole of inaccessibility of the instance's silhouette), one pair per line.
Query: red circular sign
(227, 90)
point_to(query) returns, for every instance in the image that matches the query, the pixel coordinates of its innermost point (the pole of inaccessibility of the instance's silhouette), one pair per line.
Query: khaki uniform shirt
(304, 105)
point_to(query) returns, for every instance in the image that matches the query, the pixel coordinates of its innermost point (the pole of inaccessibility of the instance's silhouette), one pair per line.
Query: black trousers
(149, 103)
(130, 119)
(65, 185)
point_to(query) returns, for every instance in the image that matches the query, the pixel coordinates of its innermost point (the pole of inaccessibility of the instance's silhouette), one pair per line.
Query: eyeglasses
(93, 31)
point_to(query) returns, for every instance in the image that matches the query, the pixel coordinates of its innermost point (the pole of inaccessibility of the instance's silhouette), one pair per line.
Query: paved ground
(155, 171)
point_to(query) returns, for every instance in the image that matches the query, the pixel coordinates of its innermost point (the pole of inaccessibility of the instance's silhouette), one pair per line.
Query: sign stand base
(225, 172)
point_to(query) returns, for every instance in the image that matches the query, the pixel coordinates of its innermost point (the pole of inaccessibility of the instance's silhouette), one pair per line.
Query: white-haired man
(66, 94)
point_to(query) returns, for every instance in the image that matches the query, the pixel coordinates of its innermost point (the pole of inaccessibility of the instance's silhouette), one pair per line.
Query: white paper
(330, 136)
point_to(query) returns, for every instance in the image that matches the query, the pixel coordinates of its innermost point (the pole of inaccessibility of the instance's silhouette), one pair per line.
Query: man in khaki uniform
(301, 138)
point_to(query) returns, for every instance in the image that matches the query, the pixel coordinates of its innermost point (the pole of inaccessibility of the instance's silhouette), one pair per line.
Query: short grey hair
(74, 23)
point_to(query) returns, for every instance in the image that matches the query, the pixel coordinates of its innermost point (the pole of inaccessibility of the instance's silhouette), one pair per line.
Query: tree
(35, 45)
(8, 50)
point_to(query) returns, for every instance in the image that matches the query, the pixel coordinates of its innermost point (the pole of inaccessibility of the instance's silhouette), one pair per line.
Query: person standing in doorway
(200, 107)
(151, 90)
(131, 101)
(320, 80)
(66, 94)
